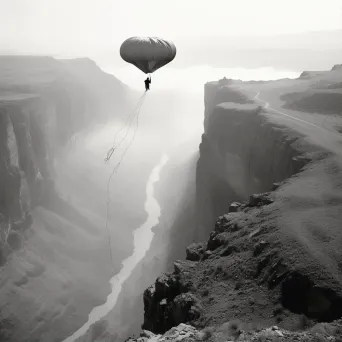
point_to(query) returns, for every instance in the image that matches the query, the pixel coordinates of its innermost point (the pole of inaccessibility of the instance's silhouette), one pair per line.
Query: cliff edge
(269, 182)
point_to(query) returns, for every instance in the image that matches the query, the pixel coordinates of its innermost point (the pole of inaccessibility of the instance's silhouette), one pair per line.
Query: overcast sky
(56, 25)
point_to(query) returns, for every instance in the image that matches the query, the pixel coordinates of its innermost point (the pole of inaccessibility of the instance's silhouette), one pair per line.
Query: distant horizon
(86, 52)
(87, 24)
(279, 51)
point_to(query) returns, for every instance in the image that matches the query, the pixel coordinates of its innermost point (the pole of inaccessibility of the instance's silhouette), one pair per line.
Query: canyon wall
(44, 103)
(266, 199)
(240, 154)
(50, 250)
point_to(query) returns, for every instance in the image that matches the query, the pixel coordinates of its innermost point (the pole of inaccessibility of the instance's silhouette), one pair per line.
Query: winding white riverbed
(142, 242)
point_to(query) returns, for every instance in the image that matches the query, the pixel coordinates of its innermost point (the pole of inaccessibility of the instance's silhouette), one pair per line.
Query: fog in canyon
(104, 231)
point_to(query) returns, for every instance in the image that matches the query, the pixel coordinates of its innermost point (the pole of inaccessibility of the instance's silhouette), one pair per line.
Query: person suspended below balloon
(148, 54)
(147, 83)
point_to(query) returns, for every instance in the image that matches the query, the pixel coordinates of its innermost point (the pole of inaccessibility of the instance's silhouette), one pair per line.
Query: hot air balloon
(147, 53)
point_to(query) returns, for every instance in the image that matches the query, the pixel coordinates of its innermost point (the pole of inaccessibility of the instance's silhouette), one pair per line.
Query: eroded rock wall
(240, 154)
(44, 103)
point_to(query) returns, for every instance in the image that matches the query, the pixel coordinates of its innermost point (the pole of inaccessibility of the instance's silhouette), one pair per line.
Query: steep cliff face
(273, 256)
(218, 92)
(241, 153)
(49, 249)
(44, 102)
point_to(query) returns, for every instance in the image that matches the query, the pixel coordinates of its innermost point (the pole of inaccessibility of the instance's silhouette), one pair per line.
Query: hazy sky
(56, 25)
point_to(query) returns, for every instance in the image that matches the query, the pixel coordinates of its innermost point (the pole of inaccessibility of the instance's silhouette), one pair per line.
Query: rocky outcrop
(336, 67)
(244, 258)
(310, 74)
(180, 333)
(235, 331)
(17, 179)
(168, 302)
(195, 251)
(218, 92)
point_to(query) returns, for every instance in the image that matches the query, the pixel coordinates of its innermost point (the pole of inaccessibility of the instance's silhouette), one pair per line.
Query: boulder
(166, 286)
(195, 251)
(147, 334)
(259, 199)
(216, 240)
(259, 247)
(181, 333)
(185, 308)
(275, 186)
(235, 207)
(207, 255)
(229, 222)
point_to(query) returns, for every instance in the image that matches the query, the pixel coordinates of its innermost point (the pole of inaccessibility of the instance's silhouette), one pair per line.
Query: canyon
(254, 239)
(52, 240)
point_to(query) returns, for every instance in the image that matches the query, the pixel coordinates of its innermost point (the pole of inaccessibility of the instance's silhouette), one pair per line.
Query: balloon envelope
(147, 53)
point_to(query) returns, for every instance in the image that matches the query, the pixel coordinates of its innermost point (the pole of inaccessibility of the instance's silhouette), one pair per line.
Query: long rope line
(115, 169)
(137, 110)
(129, 118)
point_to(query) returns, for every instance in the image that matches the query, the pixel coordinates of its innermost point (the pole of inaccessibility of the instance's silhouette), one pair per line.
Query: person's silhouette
(147, 83)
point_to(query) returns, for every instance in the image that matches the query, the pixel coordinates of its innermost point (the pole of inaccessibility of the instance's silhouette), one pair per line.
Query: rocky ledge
(241, 273)
(234, 331)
